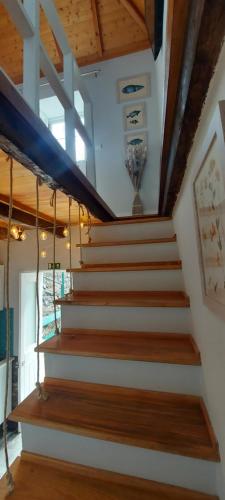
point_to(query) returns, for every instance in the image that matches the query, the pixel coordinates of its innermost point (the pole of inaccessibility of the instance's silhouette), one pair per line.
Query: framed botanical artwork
(134, 116)
(137, 139)
(209, 194)
(133, 88)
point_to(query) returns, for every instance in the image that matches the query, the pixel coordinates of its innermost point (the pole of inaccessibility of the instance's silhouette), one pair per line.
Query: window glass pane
(58, 130)
(80, 147)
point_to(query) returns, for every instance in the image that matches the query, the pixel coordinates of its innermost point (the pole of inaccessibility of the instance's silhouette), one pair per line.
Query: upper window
(52, 113)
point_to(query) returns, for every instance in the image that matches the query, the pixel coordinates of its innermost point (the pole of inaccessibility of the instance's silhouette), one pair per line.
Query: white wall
(113, 182)
(209, 328)
(23, 259)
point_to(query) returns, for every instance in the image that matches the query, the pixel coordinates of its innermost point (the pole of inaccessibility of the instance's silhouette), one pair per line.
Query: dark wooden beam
(177, 23)
(204, 38)
(24, 217)
(97, 27)
(135, 14)
(28, 140)
(3, 233)
(154, 10)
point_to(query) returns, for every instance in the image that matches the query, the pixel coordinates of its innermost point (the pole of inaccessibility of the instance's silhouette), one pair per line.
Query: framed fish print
(138, 139)
(134, 116)
(209, 196)
(133, 88)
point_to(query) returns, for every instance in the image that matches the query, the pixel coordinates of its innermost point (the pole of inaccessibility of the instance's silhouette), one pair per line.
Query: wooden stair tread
(166, 422)
(153, 241)
(153, 347)
(38, 477)
(132, 220)
(129, 266)
(128, 298)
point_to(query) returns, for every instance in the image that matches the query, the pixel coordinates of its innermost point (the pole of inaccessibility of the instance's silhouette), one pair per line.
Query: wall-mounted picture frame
(209, 197)
(137, 139)
(134, 116)
(133, 88)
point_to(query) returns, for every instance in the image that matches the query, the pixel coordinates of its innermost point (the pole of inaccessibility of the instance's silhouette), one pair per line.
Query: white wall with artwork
(121, 118)
(208, 319)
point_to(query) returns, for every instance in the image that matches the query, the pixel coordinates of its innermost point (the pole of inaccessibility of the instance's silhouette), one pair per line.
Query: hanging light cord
(70, 241)
(53, 203)
(89, 225)
(10, 482)
(41, 393)
(80, 234)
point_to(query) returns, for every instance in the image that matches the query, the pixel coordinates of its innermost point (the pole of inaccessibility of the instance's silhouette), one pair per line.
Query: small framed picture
(133, 88)
(138, 139)
(134, 116)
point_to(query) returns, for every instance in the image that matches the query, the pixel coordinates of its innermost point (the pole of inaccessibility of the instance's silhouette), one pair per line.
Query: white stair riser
(129, 280)
(148, 464)
(139, 231)
(145, 319)
(131, 253)
(137, 374)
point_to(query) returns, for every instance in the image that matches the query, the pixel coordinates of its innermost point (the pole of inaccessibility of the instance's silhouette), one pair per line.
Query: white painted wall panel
(164, 319)
(139, 231)
(131, 253)
(129, 280)
(131, 460)
(208, 326)
(139, 374)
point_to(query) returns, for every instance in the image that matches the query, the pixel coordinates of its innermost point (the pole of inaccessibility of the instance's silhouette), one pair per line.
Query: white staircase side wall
(139, 231)
(125, 373)
(145, 252)
(145, 319)
(131, 460)
(129, 280)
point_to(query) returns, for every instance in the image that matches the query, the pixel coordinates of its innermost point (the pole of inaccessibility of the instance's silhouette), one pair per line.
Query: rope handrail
(10, 481)
(40, 391)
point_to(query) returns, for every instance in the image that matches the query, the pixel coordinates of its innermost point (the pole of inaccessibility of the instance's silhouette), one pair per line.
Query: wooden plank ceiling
(96, 30)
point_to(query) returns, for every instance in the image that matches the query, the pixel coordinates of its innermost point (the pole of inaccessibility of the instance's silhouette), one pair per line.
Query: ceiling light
(18, 233)
(14, 230)
(43, 254)
(66, 231)
(43, 236)
(68, 245)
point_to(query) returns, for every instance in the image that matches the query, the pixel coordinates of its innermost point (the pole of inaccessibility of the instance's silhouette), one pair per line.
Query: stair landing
(41, 478)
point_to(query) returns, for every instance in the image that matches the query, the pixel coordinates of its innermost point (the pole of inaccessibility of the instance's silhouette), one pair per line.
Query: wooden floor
(129, 299)
(41, 478)
(156, 347)
(94, 244)
(124, 266)
(160, 421)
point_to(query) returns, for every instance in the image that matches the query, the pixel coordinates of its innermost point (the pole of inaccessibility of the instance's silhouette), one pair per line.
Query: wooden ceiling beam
(27, 217)
(135, 14)
(97, 27)
(204, 38)
(24, 136)
(112, 53)
(25, 208)
(3, 233)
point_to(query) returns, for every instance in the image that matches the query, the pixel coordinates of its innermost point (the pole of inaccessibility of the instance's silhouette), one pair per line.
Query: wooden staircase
(124, 417)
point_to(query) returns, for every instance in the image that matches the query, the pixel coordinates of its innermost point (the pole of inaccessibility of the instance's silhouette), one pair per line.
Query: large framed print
(209, 195)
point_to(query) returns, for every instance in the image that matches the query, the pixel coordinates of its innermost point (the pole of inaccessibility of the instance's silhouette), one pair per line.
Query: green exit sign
(52, 266)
